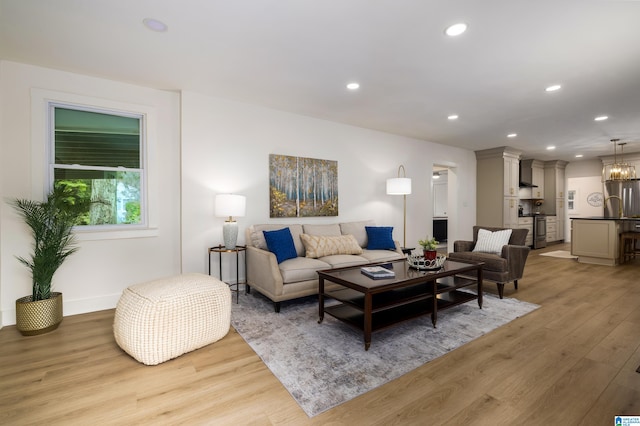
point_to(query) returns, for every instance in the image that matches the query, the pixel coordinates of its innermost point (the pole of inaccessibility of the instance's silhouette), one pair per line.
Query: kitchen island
(596, 240)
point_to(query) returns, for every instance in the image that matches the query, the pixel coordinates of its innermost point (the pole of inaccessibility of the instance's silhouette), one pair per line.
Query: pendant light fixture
(618, 171)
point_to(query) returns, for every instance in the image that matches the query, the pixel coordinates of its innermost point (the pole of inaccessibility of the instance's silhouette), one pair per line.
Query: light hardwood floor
(571, 362)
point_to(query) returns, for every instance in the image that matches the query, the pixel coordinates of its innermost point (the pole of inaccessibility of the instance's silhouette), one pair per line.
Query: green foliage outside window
(133, 212)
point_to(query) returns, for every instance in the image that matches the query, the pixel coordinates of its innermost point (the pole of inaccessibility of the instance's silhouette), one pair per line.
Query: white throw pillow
(492, 242)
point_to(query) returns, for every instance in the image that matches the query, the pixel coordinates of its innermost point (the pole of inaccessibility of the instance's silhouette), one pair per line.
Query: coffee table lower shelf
(383, 317)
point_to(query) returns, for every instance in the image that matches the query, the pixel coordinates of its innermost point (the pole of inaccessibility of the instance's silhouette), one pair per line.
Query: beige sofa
(298, 277)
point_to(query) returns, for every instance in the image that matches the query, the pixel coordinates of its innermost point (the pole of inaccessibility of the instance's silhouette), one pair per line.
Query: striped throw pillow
(492, 242)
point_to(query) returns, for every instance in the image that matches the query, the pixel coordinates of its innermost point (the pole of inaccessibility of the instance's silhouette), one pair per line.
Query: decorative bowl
(420, 263)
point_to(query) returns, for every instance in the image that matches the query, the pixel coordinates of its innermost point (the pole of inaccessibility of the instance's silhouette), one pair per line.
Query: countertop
(624, 219)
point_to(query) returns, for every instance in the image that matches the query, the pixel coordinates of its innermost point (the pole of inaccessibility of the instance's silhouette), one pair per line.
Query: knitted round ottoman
(160, 320)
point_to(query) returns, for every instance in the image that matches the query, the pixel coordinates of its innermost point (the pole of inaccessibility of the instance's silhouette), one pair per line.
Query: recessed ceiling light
(601, 118)
(155, 25)
(512, 135)
(553, 88)
(453, 117)
(353, 86)
(579, 155)
(456, 29)
(551, 148)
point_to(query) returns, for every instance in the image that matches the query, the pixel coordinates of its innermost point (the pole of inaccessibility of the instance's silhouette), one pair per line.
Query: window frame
(50, 154)
(572, 201)
(40, 161)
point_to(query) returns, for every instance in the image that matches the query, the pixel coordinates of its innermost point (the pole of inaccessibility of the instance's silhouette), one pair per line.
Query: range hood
(526, 174)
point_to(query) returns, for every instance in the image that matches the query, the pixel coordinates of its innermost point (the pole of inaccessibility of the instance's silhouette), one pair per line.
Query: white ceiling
(298, 55)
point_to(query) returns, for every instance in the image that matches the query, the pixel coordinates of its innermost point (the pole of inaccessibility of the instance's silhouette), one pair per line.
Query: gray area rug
(324, 365)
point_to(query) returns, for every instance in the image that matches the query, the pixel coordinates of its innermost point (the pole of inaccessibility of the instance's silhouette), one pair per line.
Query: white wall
(93, 278)
(585, 178)
(226, 147)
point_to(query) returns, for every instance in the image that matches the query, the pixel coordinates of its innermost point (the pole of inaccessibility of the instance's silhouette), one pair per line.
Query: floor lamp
(401, 186)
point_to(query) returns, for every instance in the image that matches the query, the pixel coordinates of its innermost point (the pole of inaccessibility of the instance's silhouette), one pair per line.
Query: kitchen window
(571, 200)
(98, 154)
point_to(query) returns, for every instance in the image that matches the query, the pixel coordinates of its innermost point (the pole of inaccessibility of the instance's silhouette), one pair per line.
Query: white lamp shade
(228, 205)
(399, 186)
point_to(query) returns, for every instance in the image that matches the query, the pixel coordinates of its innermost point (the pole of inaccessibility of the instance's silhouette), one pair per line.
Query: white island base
(596, 241)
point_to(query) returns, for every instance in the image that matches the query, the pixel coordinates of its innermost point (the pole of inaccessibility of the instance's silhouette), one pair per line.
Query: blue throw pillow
(380, 238)
(280, 243)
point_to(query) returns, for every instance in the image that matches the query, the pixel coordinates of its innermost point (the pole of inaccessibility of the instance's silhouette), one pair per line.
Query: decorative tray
(422, 264)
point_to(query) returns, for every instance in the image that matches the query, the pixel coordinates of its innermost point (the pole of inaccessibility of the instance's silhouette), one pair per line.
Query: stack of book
(378, 272)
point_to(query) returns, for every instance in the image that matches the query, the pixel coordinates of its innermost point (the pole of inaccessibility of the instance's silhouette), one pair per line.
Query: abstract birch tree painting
(302, 187)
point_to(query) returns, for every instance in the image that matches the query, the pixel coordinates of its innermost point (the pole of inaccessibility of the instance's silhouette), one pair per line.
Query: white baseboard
(72, 307)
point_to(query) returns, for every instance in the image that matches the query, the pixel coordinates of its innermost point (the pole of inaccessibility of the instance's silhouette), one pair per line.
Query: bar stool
(628, 245)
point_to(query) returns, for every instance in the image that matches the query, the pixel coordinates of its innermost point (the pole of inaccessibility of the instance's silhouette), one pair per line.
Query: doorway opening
(442, 204)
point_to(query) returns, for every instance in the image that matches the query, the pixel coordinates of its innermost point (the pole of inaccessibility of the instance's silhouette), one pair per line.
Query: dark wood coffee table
(371, 305)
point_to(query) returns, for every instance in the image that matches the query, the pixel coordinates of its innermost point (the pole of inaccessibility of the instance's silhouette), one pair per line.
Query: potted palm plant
(51, 223)
(429, 246)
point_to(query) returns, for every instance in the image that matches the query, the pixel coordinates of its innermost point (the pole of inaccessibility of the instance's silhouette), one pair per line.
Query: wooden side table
(237, 250)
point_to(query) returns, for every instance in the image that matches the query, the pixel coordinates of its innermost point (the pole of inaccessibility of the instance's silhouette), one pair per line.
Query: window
(571, 200)
(97, 155)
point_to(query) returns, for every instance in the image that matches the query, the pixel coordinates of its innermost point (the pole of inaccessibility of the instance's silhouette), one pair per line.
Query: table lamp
(230, 205)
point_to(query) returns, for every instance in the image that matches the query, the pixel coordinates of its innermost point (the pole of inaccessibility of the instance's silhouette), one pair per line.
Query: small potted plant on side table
(429, 248)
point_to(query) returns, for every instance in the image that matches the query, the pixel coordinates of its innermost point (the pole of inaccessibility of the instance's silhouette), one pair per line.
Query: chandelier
(618, 171)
